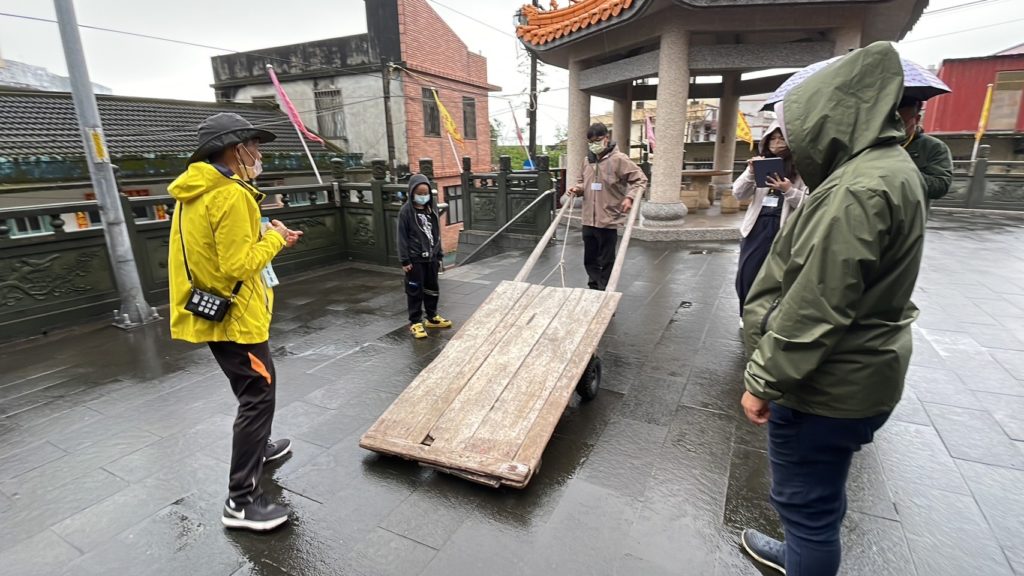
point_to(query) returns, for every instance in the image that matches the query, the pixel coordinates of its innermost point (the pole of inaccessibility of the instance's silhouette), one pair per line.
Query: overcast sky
(144, 67)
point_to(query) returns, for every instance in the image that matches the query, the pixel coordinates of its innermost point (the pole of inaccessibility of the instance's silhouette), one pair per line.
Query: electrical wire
(961, 31)
(959, 7)
(481, 22)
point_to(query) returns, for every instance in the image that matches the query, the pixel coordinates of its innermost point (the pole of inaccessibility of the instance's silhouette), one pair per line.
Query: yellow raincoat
(220, 221)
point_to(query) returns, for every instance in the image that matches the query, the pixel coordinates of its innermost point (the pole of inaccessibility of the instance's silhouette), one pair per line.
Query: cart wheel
(590, 382)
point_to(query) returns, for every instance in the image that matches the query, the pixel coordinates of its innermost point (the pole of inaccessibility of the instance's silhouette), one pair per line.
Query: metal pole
(388, 127)
(509, 223)
(532, 110)
(134, 309)
(308, 154)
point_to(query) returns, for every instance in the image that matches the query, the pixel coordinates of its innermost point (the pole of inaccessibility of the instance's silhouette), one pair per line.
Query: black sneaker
(765, 549)
(258, 515)
(275, 450)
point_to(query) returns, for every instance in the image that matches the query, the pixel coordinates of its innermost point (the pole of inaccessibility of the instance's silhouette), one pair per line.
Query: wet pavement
(114, 445)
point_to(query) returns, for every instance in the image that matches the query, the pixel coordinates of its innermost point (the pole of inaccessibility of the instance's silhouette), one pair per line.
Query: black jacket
(932, 158)
(414, 245)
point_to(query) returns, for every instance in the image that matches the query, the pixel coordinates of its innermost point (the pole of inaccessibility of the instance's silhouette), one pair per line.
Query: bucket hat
(223, 130)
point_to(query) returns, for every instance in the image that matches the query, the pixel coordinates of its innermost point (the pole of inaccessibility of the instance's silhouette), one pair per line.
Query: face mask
(597, 147)
(778, 146)
(253, 171)
(421, 200)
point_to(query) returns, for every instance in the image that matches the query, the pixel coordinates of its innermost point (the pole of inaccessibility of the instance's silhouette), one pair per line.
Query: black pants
(422, 290)
(753, 252)
(599, 255)
(250, 369)
(810, 460)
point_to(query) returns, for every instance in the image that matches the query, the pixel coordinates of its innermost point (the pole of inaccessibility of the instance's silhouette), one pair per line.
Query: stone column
(725, 143)
(579, 121)
(846, 39)
(622, 125)
(665, 209)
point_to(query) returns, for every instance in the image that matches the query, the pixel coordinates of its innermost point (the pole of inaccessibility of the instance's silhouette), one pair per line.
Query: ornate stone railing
(60, 274)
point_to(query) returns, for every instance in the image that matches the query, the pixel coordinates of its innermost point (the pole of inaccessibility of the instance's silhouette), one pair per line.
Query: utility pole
(134, 310)
(532, 110)
(385, 69)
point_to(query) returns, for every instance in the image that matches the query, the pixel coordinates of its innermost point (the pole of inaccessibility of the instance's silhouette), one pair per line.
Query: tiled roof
(544, 26)
(34, 123)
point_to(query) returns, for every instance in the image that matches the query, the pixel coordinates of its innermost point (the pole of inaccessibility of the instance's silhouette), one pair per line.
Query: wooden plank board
(470, 407)
(418, 407)
(544, 424)
(481, 464)
(504, 429)
(485, 409)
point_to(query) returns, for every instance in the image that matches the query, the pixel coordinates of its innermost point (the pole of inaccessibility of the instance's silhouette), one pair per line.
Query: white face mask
(597, 147)
(252, 172)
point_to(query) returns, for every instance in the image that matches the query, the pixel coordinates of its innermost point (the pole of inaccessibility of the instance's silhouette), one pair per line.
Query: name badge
(770, 202)
(596, 186)
(270, 277)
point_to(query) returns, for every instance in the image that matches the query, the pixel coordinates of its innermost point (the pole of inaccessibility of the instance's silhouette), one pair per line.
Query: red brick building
(435, 57)
(338, 87)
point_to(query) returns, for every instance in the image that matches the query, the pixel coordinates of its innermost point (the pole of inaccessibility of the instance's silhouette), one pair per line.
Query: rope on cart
(560, 267)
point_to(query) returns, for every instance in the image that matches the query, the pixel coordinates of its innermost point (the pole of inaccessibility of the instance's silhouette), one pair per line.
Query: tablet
(765, 167)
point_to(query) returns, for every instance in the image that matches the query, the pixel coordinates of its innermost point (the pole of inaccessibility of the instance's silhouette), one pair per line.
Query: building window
(453, 196)
(269, 101)
(469, 117)
(330, 114)
(29, 226)
(431, 115)
(1006, 100)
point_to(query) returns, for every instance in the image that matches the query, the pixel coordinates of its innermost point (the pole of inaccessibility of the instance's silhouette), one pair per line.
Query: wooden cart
(486, 407)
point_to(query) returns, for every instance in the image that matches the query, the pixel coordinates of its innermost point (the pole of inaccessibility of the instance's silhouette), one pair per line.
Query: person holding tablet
(774, 195)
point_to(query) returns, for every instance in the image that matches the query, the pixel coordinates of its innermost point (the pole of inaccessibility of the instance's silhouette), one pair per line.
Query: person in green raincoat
(827, 323)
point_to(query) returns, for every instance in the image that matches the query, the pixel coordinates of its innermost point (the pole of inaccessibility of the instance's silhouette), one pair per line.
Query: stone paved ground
(113, 445)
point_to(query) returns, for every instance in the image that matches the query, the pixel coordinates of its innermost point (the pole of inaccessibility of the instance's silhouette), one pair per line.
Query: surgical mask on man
(597, 147)
(422, 200)
(252, 172)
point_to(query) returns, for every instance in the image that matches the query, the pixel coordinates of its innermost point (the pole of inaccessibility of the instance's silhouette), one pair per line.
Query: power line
(359, 69)
(481, 22)
(961, 31)
(959, 7)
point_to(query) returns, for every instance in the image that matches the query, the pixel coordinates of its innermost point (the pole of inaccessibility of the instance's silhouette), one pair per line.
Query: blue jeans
(810, 458)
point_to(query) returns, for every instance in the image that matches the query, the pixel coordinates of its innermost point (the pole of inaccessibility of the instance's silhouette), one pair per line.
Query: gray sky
(143, 67)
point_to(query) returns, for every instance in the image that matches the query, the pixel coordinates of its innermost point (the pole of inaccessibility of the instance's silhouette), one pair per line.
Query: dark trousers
(753, 252)
(599, 255)
(250, 369)
(422, 290)
(810, 459)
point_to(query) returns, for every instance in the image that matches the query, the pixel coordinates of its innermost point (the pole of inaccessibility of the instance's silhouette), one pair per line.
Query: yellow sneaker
(418, 331)
(437, 322)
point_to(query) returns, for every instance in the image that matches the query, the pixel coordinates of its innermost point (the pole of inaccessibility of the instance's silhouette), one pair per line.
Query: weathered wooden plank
(457, 424)
(485, 480)
(479, 464)
(544, 424)
(422, 402)
(502, 432)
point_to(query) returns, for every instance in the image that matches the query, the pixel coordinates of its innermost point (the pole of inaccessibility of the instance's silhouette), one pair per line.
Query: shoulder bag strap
(184, 256)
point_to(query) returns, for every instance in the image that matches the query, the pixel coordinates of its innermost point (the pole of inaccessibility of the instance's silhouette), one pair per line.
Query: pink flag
(289, 108)
(650, 132)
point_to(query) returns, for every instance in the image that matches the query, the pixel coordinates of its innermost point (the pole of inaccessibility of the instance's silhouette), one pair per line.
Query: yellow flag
(743, 130)
(446, 118)
(983, 121)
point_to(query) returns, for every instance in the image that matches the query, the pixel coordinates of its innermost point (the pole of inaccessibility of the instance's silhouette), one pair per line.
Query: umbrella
(917, 82)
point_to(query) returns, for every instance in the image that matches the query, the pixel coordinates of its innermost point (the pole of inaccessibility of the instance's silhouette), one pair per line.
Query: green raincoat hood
(844, 109)
(827, 322)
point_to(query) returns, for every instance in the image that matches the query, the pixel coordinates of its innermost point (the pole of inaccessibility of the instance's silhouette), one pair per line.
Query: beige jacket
(744, 188)
(616, 177)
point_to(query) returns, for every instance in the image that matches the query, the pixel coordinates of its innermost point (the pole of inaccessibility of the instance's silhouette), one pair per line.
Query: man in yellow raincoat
(218, 246)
